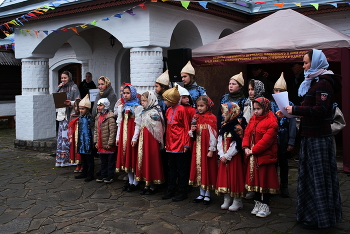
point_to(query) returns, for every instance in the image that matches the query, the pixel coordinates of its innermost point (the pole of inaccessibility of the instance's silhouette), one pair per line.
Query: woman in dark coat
(106, 91)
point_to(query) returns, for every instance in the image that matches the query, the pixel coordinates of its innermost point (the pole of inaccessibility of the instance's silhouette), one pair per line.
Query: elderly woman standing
(318, 202)
(187, 76)
(106, 91)
(63, 114)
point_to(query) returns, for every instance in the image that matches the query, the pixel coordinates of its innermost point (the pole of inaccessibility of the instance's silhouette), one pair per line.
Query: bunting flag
(83, 26)
(74, 29)
(130, 12)
(260, 2)
(93, 22)
(333, 4)
(297, 4)
(105, 19)
(46, 32)
(203, 4)
(315, 5)
(241, 4)
(223, 3)
(142, 5)
(279, 4)
(185, 4)
(36, 33)
(118, 15)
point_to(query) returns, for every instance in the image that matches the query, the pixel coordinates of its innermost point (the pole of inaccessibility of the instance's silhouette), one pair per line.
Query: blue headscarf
(318, 66)
(134, 101)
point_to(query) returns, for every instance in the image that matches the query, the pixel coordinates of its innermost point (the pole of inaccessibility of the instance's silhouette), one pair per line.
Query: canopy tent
(284, 32)
(282, 37)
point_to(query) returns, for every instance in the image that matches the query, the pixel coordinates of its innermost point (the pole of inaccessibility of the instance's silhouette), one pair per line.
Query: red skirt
(149, 163)
(262, 178)
(231, 177)
(127, 155)
(203, 168)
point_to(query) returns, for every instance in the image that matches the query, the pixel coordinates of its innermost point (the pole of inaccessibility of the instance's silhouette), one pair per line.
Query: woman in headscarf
(187, 76)
(63, 116)
(106, 91)
(318, 202)
(235, 88)
(149, 163)
(260, 146)
(129, 122)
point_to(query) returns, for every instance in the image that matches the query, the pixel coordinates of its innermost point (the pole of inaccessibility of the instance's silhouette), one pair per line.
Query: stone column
(146, 64)
(84, 69)
(35, 110)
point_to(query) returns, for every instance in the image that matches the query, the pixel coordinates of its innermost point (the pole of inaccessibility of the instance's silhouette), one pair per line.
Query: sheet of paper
(92, 94)
(282, 101)
(59, 99)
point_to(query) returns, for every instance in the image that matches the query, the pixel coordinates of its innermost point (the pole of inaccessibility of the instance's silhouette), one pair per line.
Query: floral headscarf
(210, 102)
(264, 103)
(152, 100)
(231, 111)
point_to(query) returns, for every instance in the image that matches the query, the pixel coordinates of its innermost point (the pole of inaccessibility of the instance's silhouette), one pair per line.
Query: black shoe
(284, 192)
(169, 194)
(100, 179)
(81, 176)
(206, 202)
(125, 187)
(198, 200)
(144, 191)
(309, 225)
(151, 191)
(89, 178)
(180, 197)
(108, 180)
(133, 188)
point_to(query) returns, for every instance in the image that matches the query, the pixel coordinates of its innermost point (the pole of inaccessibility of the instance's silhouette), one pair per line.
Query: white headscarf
(152, 100)
(105, 102)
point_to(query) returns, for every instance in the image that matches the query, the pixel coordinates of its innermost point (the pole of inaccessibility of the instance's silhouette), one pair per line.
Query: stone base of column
(35, 117)
(142, 89)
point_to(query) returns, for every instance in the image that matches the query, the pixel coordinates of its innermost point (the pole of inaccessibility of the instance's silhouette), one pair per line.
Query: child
(84, 146)
(255, 89)
(286, 137)
(204, 165)
(231, 175)
(128, 121)
(149, 164)
(104, 136)
(186, 101)
(161, 85)
(177, 144)
(75, 158)
(260, 145)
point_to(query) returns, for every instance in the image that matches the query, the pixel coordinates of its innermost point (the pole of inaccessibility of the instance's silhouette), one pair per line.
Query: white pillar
(146, 64)
(35, 110)
(84, 68)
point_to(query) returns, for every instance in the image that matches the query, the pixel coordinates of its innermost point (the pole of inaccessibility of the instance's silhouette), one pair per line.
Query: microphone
(59, 88)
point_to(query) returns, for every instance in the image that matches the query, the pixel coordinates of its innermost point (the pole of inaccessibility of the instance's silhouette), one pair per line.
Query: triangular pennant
(203, 4)
(279, 4)
(223, 3)
(55, 4)
(64, 29)
(14, 22)
(130, 12)
(31, 14)
(142, 5)
(48, 7)
(260, 2)
(242, 3)
(19, 21)
(6, 46)
(118, 15)
(36, 33)
(105, 19)
(74, 29)
(44, 10)
(22, 32)
(13, 46)
(56, 31)
(24, 17)
(333, 4)
(39, 12)
(315, 5)
(93, 22)
(185, 4)
(297, 4)
(7, 26)
(28, 31)
(83, 26)
(46, 32)
(153, 0)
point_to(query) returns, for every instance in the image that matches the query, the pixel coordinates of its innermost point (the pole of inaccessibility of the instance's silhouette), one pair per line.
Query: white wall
(339, 21)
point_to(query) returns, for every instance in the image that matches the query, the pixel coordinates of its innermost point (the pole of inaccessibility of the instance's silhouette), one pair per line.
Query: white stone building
(141, 42)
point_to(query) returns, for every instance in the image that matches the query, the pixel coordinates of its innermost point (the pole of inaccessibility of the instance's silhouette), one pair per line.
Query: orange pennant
(36, 33)
(153, 0)
(279, 4)
(39, 12)
(74, 29)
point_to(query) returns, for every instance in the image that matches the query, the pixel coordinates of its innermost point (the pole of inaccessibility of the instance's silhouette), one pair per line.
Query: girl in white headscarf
(149, 165)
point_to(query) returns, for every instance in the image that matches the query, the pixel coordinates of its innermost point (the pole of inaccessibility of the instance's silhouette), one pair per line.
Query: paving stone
(9, 215)
(122, 226)
(49, 228)
(34, 210)
(70, 195)
(161, 227)
(15, 226)
(190, 227)
(210, 230)
(35, 224)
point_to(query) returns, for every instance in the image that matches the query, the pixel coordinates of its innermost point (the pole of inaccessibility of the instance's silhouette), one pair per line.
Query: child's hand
(210, 154)
(70, 141)
(116, 143)
(133, 143)
(248, 152)
(193, 128)
(223, 159)
(280, 114)
(290, 148)
(185, 149)
(67, 103)
(96, 146)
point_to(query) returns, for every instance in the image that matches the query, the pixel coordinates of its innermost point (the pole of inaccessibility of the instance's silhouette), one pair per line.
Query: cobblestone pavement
(36, 197)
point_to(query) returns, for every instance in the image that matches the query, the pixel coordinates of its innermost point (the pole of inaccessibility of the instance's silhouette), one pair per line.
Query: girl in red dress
(260, 145)
(204, 164)
(231, 176)
(75, 157)
(128, 121)
(149, 164)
